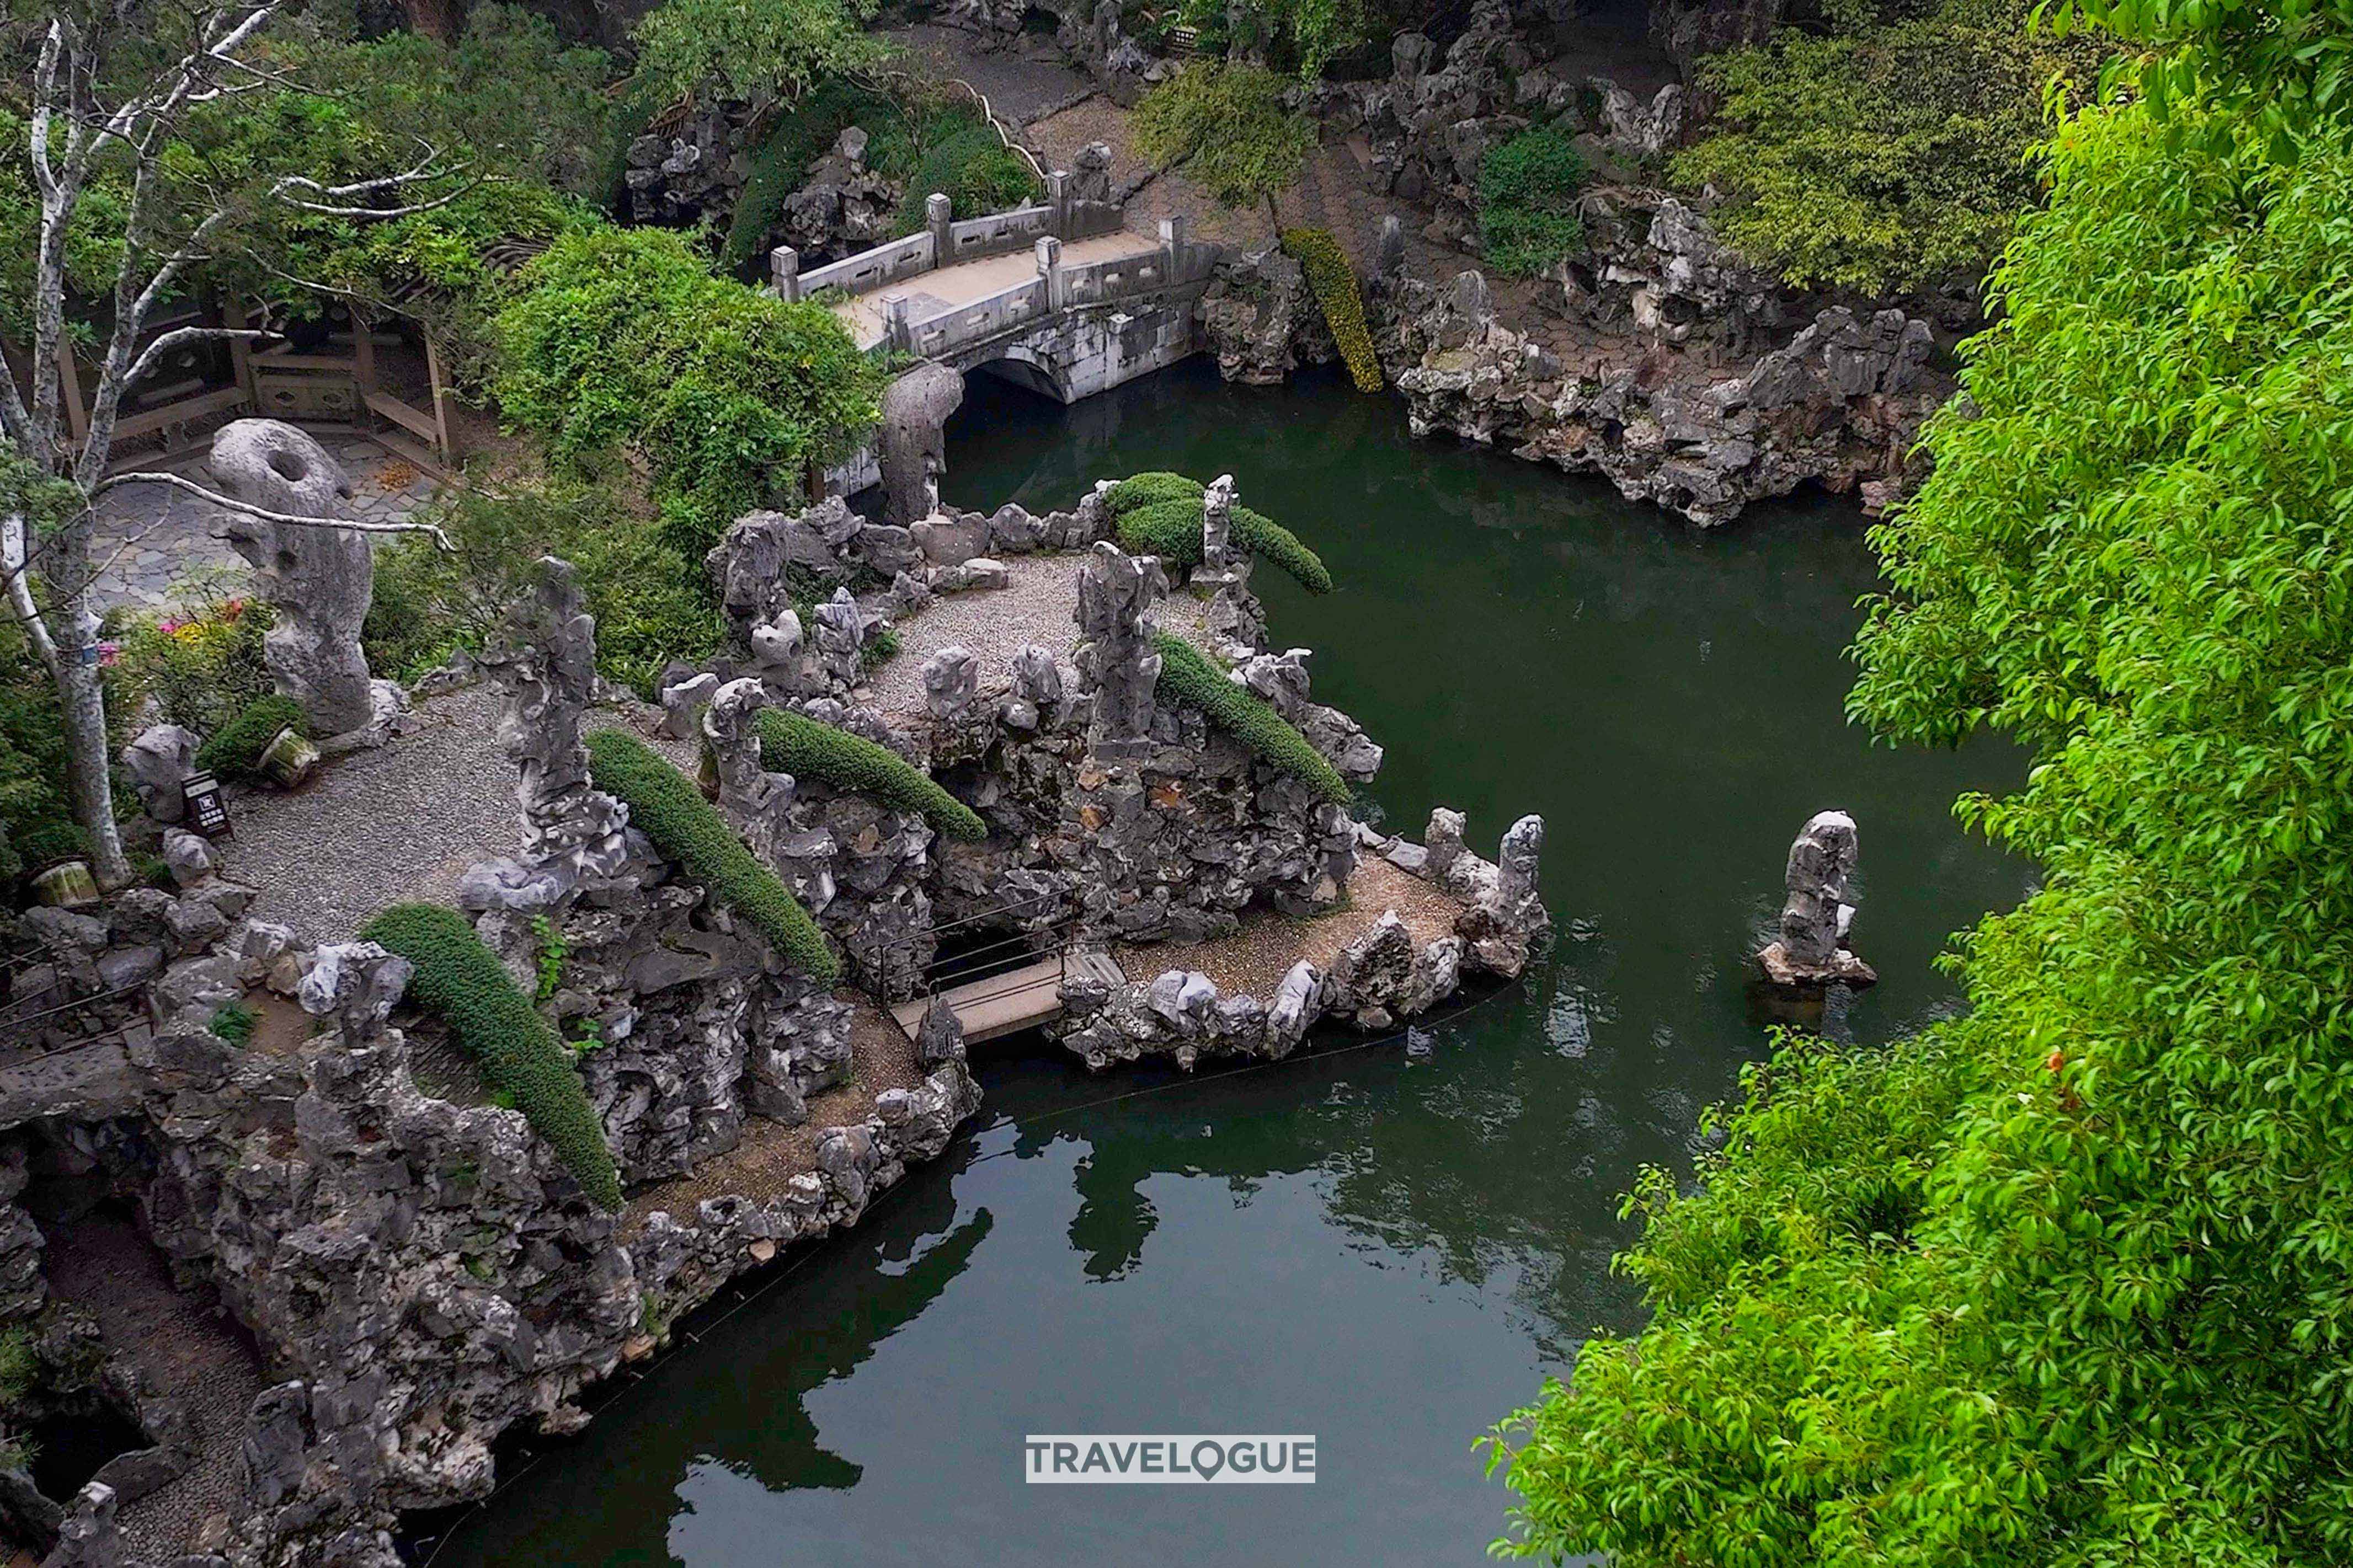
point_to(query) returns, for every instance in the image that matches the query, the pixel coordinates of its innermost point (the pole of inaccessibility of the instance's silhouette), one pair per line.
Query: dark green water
(1387, 1249)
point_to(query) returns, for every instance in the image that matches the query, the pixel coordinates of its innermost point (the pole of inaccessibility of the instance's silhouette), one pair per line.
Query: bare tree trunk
(436, 19)
(86, 777)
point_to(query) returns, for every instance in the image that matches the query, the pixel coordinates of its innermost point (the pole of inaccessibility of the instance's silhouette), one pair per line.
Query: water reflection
(1386, 1248)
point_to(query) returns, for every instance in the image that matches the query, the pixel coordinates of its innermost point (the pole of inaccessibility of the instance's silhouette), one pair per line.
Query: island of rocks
(267, 1196)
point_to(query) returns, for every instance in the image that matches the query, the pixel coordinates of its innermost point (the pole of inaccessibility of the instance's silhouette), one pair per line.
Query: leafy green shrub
(650, 606)
(664, 804)
(1161, 515)
(961, 156)
(754, 51)
(195, 667)
(1883, 157)
(464, 983)
(234, 750)
(1527, 201)
(233, 1022)
(799, 745)
(1189, 679)
(621, 339)
(1229, 127)
(1334, 283)
(35, 817)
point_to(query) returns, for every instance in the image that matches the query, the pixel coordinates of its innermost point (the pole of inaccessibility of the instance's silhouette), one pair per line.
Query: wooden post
(440, 414)
(70, 384)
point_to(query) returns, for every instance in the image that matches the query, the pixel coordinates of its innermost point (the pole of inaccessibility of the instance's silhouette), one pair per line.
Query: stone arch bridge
(1058, 296)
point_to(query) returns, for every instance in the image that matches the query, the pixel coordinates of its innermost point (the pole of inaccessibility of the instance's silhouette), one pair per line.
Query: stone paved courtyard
(161, 542)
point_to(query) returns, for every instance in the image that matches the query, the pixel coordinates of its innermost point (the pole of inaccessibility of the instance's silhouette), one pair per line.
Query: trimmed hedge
(666, 806)
(235, 750)
(799, 745)
(1189, 679)
(463, 982)
(1160, 514)
(1334, 282)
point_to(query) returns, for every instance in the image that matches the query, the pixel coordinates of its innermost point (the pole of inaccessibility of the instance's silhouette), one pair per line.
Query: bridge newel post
(1049, 269)
(896, 332)
(785, 272)
(1172, 240)
(1058, 196)
(938, 216)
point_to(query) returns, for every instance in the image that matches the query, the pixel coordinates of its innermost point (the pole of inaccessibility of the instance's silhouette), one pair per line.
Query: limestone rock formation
(914, 441)
(1262, 320)
(1818, 914)
(319, 580)
(157, 760)
(1116, 665)
(545, 654)
(950, 677)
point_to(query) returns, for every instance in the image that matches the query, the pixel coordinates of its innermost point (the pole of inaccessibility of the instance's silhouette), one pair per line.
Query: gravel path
(1037, 604)
(1254, 960)
(189, 1353)
(380, 828)
(1019, 80)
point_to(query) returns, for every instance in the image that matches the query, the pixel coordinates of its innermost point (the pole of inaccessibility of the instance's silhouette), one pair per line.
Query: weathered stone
(161, 756)
(188, 857)
(950, 677)
(940, 1037)
(1116, 665)
(319, 580)
(913, 441)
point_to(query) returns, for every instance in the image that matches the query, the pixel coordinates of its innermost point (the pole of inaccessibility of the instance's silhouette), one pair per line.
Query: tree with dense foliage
(624, 340)
(751, 51)
(2062, 1282)
(1884, 155)
(1306, 34)
(1230, 130)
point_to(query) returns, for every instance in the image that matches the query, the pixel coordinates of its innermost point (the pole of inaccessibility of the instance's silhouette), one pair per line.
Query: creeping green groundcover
(464, 983)
(1189, 680)
(666, 808)
(1160, 514)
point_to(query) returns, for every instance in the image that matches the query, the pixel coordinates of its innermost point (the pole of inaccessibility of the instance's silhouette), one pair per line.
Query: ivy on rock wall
(1336, 295)
(799, 745)
(1160, 514)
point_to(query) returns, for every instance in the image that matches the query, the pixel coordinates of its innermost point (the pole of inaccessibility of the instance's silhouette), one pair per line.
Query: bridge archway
(1020, 367)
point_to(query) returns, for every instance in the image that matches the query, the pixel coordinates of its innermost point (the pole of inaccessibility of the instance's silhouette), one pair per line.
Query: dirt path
(188, 1352)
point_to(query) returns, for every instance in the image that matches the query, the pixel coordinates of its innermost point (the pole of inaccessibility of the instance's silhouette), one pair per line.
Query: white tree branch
(154, 353)
(13, 530)
(152, 477)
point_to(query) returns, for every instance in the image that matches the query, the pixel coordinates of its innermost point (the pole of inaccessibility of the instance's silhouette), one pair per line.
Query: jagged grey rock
(319, 581)
(914, 441)
(756, 800)
(950, 677)
(940, 1038)
(545, 654)
(161, 756)
(1818, 915)
(842, 636)
(1117, 665)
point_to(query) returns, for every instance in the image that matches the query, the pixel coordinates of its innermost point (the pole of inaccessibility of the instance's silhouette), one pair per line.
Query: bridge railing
(1177, 263)
(945, 240)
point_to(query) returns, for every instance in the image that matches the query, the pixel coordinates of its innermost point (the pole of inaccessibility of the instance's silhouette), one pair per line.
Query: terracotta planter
(288, 760)
(67, 884)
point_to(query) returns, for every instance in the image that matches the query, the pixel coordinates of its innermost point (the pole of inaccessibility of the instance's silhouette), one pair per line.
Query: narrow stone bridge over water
(1060, 297)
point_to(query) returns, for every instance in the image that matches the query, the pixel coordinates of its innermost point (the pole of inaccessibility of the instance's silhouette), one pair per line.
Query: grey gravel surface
(187, 1352)
(380, 828)
(1036, 604)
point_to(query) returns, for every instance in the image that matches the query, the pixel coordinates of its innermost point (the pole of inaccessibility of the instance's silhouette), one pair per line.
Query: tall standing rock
(545, 655)
(914, 449)
(1116, 663)
(319, 581)
(1819, 912)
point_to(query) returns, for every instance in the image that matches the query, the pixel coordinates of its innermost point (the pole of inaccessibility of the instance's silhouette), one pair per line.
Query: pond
(1386, 1247)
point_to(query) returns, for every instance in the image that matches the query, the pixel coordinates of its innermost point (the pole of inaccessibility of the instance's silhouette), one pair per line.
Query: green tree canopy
(2062, 1282)
(758, 51)
(1228, 127)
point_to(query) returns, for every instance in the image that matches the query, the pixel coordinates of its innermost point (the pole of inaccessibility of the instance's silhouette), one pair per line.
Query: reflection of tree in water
(745, 1380)
(1499, 1165)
